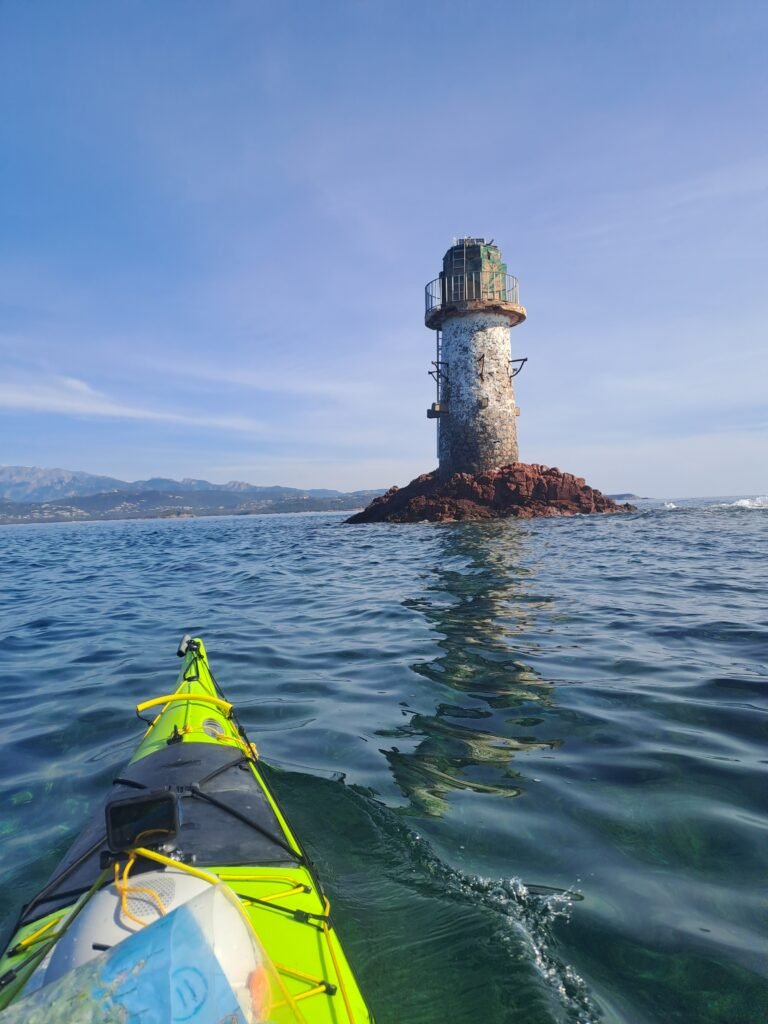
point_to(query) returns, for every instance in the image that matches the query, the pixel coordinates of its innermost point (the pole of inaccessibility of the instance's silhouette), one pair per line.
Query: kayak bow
(190, 811)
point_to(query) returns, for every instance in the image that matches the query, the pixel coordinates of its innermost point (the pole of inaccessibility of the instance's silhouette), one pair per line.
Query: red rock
(517, 490)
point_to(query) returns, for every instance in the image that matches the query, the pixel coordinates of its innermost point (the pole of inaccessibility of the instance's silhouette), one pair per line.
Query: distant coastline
(160, 505)
(32, 494)
(125, 517)
(35, 495)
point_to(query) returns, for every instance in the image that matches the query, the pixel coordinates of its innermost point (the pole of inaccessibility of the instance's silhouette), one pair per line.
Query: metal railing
(475, 286)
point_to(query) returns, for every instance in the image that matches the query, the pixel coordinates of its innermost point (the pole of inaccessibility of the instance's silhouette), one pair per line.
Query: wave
(712, 505)
(525, 914)
(760, 503)
(391, 865)
(530, 911)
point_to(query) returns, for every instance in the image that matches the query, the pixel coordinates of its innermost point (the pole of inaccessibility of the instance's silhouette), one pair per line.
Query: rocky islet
(518, 490)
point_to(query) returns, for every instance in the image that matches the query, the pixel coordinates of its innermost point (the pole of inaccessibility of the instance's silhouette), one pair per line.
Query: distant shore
(111, 507)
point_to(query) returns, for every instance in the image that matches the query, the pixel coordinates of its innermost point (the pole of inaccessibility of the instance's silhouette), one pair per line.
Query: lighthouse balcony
(474, 291)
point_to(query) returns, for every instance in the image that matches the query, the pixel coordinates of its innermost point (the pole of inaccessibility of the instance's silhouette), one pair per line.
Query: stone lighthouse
(472, 306)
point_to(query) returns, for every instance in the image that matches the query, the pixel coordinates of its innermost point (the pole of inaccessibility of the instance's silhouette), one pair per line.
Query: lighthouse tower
(472, 305)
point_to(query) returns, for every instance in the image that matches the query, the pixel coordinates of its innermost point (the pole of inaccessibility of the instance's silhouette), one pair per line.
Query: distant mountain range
(31, 483)
(34, 494)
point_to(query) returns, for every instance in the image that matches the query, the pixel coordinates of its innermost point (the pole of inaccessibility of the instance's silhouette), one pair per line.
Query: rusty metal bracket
(514, 368)
(438, 371)
(440, 377)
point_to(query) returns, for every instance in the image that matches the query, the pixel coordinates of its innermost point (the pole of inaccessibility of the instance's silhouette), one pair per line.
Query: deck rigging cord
(140, 852)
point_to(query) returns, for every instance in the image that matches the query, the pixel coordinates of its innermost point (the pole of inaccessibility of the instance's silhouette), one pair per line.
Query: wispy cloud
(320, 433)
(72, 396)
(732, 379)
(225, 260)
(645, 209)
(276, 382)
(668, 467)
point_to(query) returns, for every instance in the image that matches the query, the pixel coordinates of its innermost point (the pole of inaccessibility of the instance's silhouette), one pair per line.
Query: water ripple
(491, 719)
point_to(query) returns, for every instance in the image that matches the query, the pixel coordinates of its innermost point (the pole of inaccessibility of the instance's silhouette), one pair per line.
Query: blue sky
(217, 219)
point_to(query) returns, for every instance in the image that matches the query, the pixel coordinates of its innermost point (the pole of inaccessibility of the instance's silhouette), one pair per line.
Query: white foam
(669, 504)
(748, 503)
(522, 914)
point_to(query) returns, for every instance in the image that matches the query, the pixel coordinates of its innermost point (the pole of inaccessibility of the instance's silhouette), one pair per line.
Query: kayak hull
(230, 830)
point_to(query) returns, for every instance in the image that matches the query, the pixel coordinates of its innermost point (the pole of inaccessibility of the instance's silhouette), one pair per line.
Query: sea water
(530, 759)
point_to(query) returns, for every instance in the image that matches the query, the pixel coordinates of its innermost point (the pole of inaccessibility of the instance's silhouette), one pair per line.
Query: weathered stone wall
(479, 431)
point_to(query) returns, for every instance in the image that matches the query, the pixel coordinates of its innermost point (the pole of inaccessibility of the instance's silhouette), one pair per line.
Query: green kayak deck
(231, 827)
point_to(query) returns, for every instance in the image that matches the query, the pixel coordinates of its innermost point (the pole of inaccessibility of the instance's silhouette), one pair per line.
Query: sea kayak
(187, 893)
